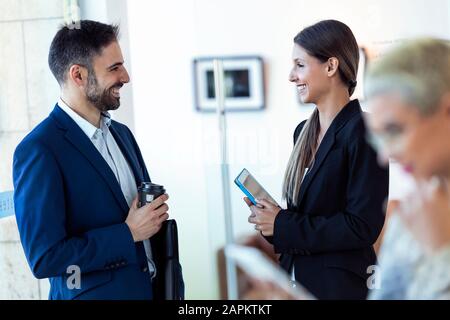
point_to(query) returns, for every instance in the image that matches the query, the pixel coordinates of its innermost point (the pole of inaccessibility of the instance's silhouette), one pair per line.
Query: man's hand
(144, 222)
(263, 215)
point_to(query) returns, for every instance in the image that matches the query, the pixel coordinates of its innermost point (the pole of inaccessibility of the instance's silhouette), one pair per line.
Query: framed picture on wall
(243, 82)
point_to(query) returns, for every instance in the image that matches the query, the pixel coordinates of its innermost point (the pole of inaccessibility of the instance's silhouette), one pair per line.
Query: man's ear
(78, 75)
(332, 66)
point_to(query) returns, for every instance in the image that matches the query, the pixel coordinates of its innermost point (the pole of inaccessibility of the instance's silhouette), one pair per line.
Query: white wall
(180, 145)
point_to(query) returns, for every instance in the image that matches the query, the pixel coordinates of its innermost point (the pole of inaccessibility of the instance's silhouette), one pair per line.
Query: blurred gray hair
(418, 70)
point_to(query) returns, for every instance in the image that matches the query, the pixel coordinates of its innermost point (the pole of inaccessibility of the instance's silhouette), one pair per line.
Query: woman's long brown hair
(323, 40)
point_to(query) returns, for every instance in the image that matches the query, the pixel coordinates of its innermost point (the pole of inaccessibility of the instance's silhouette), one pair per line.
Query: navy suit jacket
(340, 213)
(71, 211)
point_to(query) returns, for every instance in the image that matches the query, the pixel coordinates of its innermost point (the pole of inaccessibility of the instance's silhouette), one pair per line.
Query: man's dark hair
(79, 45)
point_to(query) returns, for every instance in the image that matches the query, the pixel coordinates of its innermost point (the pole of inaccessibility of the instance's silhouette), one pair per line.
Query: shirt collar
(88, 128)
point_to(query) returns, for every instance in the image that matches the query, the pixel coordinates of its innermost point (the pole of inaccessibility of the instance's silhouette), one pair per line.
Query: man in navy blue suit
(76, 176)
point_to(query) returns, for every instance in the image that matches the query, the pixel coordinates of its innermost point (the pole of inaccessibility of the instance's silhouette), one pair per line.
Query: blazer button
(144, 269)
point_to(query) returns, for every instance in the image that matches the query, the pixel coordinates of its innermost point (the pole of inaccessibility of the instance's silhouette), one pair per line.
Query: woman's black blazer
(329, 235)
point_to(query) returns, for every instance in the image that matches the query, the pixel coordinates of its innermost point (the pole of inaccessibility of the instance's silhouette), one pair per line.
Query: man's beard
(102, 99)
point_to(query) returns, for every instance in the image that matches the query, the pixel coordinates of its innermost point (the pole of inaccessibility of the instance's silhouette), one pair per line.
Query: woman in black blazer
(334, 187)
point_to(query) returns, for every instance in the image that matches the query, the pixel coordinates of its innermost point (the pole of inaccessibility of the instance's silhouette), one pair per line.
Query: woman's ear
(332, 66)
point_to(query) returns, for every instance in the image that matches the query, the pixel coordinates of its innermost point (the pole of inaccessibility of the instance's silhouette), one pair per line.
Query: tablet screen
(250, 183)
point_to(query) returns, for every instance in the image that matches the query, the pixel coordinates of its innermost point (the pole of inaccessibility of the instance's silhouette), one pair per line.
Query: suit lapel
(81, 142)
(129, 154)
(324, 148)
(327, 143)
